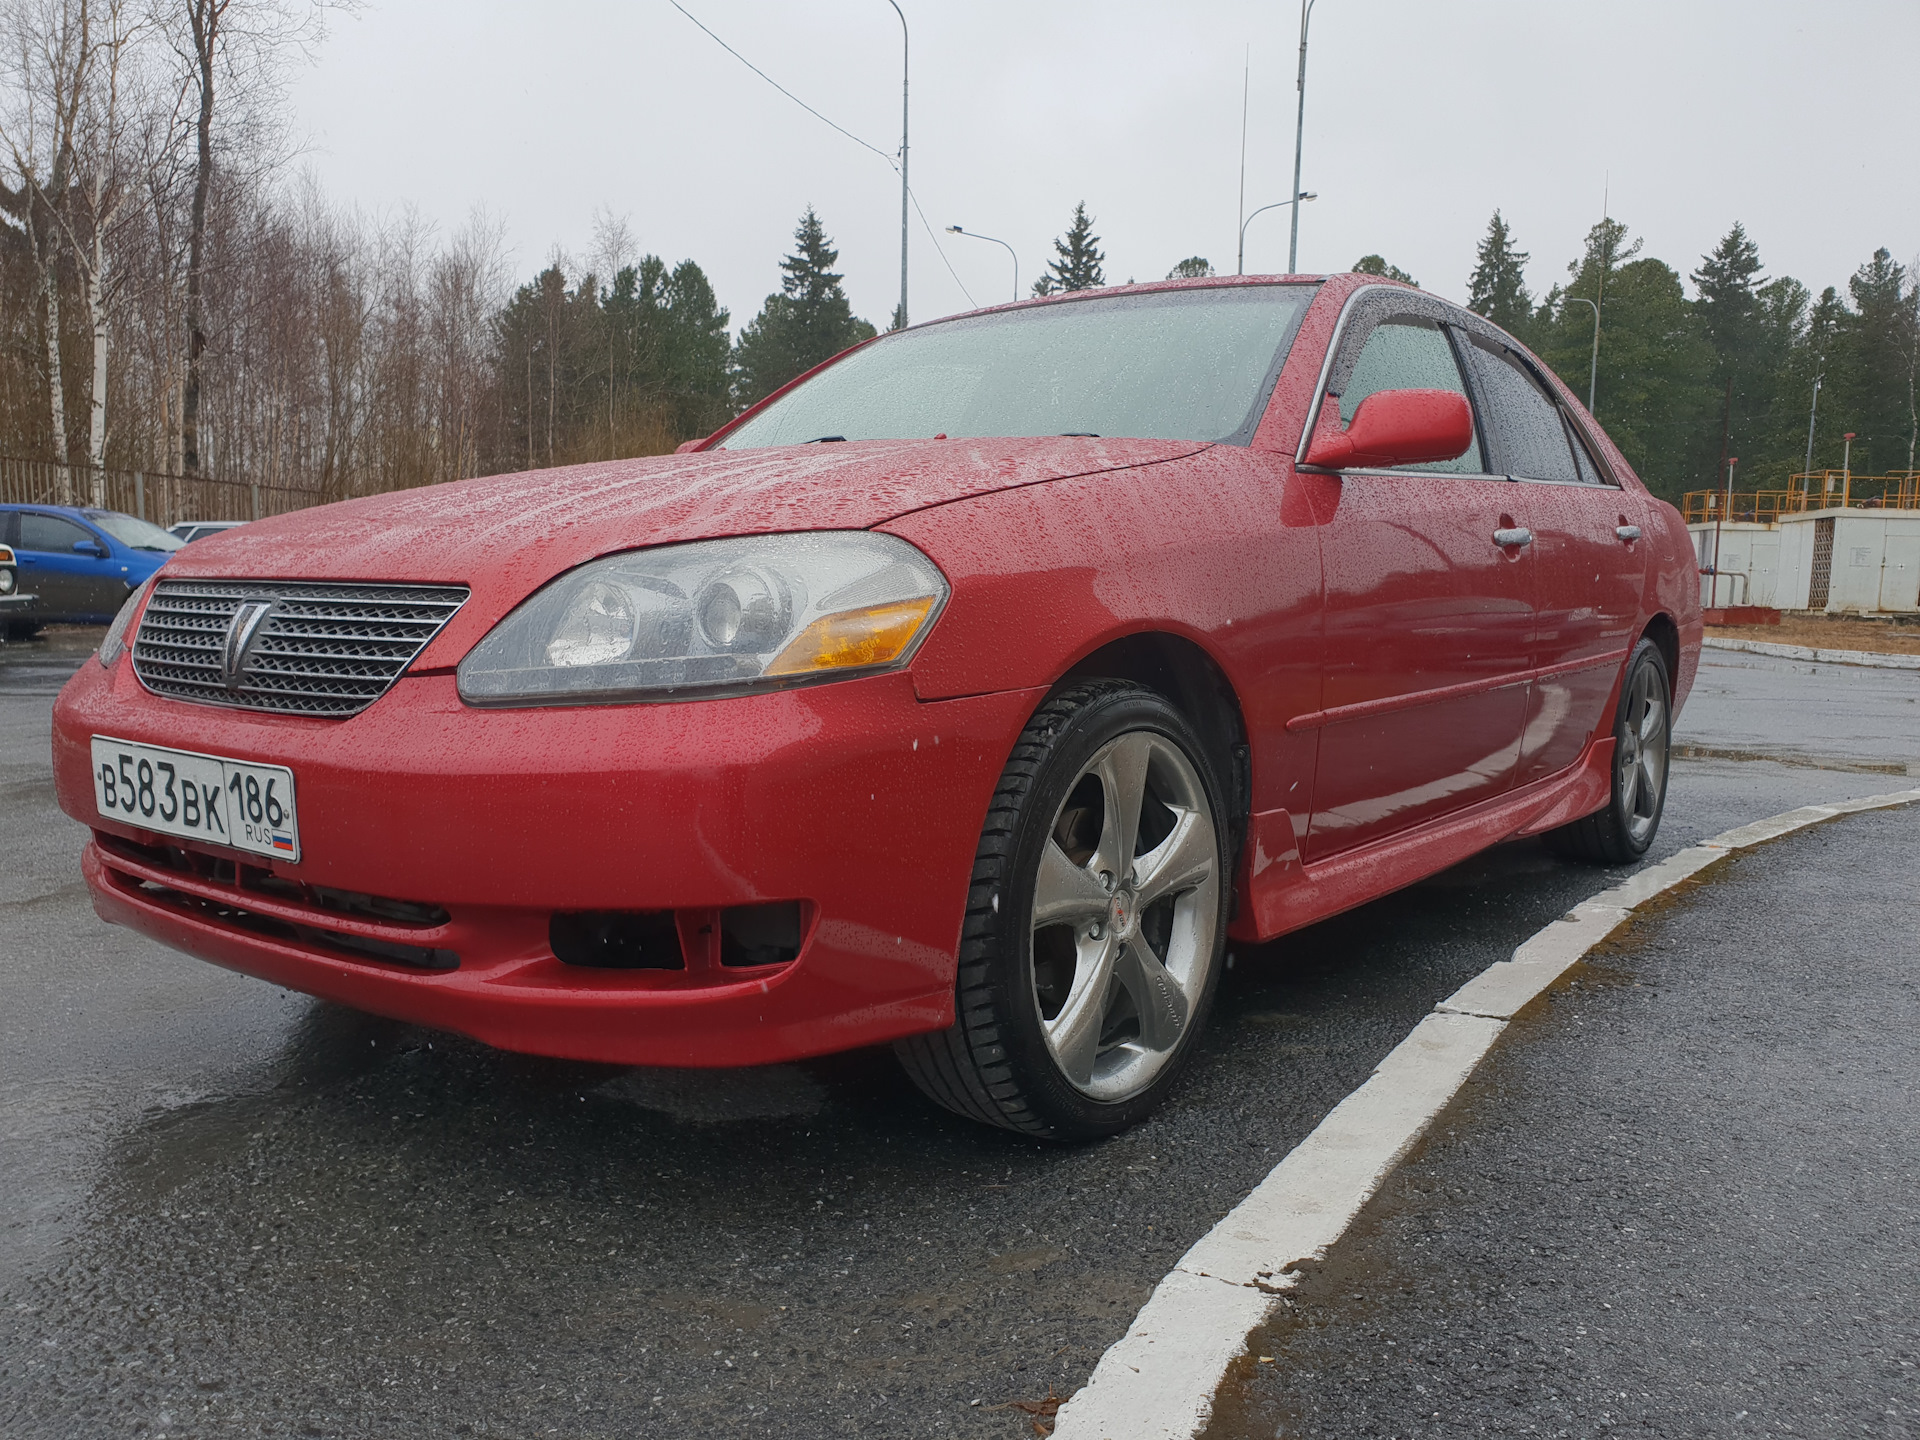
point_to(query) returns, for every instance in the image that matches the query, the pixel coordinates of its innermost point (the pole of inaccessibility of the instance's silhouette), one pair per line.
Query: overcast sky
(1422, 116)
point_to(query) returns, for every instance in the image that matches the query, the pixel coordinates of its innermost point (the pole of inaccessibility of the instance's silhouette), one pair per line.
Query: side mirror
(90, 547)
(1397, 427)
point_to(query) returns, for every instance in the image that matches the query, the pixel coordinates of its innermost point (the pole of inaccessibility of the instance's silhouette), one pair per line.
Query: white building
(1837, 561)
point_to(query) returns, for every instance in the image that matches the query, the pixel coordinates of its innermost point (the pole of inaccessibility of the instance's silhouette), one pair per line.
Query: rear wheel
(1642, 732)
(1095, 922)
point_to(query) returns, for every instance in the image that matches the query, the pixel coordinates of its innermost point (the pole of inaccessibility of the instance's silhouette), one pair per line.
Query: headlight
(712, 617)
(114, 642)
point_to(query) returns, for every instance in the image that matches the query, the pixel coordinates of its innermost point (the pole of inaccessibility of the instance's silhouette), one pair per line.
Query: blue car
(80, 564)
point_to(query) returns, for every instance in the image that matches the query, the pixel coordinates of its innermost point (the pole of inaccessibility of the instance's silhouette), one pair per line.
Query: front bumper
(856, 800)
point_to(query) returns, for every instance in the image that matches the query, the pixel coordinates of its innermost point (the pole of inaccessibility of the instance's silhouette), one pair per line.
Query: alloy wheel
(1642, 757)
(1125, 913)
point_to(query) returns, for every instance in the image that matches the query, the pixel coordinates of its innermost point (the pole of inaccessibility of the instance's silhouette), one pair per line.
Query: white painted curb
(1807, 652)
(1158, 1381)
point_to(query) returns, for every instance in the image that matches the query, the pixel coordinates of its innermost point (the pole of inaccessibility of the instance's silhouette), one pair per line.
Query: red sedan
(967, 694)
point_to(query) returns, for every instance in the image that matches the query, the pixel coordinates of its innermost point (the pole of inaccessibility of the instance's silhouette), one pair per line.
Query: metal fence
(1818, 490)
(163, 499)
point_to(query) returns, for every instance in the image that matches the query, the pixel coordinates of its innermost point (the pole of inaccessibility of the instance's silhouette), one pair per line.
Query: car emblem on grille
(241, 630)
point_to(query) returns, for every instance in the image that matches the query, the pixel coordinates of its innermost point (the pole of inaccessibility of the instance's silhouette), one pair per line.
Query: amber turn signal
(853, 639)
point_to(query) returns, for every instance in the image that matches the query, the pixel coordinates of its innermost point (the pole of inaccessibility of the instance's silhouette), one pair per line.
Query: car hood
(506, 535)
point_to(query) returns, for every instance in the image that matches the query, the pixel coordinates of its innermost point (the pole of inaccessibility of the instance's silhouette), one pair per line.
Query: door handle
(1628, 533)
(1513, 538)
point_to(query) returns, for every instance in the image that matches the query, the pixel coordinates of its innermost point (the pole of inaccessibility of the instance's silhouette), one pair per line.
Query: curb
(1158, 1381)
(1869, 658)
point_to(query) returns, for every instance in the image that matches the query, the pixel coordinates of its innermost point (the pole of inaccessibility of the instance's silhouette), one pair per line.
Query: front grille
(322, 649)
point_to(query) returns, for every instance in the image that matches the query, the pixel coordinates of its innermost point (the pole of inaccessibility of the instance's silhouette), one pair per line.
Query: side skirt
(1289, 896)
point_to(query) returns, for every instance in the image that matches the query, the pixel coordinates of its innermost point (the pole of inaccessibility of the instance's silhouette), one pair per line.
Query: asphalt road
(229, 1209)
(1682, 1198)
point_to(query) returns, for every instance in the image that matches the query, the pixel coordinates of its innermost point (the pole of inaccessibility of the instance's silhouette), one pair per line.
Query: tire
(1621, 832)
(1075, 1027)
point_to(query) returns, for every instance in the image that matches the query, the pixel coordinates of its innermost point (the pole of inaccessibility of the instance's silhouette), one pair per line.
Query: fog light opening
(760, 934)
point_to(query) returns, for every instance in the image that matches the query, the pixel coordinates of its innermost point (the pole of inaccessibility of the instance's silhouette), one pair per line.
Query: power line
(892, 163)
(778, 86)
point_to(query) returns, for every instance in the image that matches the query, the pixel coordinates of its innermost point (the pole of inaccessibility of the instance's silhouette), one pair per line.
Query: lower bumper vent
(736, 937)
(360, 947)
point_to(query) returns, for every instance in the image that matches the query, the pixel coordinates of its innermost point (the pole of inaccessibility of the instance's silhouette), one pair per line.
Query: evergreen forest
(175, 299)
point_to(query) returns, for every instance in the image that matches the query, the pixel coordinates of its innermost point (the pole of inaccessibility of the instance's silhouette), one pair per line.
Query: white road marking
(1158, 1381)
(1871, 658)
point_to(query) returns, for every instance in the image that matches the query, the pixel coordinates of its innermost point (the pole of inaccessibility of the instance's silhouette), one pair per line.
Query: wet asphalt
(228, 1209)
(1681, 1198)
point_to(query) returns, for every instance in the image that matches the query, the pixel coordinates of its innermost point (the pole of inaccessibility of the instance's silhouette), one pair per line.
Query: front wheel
(1095, 922)
(1642, 733)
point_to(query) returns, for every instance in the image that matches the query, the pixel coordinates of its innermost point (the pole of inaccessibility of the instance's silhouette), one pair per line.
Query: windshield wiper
(825, 439)
(1079, 434)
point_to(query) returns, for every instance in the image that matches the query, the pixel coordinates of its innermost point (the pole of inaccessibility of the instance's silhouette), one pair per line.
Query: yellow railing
(1818, 490)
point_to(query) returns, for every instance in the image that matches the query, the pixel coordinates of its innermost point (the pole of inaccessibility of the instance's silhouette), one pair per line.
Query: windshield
(134, 534)
(1192, 364)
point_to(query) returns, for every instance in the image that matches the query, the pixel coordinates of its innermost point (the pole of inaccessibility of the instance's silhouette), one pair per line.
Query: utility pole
(1299, 125)
(1719, 520)
(1846, 471)
(904, 192)
(1246, 84)
(1812, 415)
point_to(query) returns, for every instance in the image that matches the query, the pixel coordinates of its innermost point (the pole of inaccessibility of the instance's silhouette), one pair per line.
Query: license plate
(197, 797)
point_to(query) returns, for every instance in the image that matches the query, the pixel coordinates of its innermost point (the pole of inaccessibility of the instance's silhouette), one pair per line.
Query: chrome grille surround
(325, 649)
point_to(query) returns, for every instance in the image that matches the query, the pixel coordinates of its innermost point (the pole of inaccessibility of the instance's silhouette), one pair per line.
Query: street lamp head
(1309, 195)
(955, 230)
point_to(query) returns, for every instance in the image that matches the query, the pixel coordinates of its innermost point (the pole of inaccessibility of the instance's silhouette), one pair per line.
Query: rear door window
(1529, 439)
(1406, 353)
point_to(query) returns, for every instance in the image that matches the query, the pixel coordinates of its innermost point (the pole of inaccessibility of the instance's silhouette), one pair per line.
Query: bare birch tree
(48, 57)
(104, 185)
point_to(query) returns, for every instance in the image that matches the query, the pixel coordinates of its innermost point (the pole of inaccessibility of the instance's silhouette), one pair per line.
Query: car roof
(69, 512)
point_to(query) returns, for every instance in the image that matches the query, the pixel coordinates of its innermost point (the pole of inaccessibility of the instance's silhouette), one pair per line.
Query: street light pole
(1593, 366)
(976, 235)
(1240, 265)
(1812, 415)
(1299, 124)
(903, 161)
(1846, 472)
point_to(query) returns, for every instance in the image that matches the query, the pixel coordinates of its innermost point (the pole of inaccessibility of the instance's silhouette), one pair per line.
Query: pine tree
(1077, 258)
(1497, 288)
(1877, 357)
(1194, 267)
(1656, 393)
(1728, 317)
(1377, 265)
(808, 322)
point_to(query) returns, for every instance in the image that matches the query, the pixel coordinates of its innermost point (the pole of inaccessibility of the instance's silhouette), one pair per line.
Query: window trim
(1467, 327)
(1420, 306)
